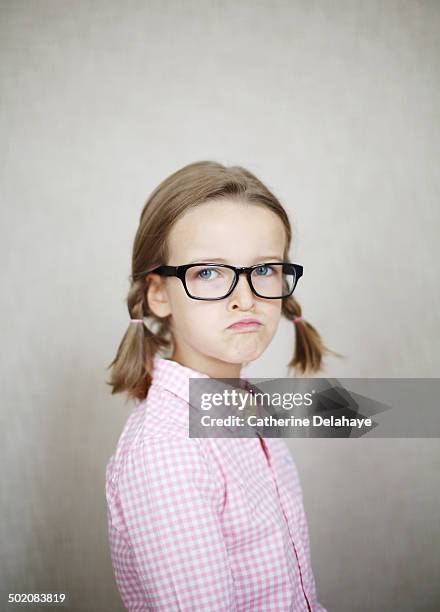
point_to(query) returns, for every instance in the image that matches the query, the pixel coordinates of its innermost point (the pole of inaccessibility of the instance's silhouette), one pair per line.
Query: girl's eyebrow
(220, 259)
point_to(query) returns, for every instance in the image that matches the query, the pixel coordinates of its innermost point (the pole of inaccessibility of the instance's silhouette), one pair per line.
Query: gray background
(335, 105)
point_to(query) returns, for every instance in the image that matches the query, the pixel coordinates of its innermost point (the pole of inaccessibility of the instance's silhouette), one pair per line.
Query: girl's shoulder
(157, 429)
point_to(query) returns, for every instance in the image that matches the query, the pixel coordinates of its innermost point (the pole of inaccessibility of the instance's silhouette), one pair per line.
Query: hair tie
(136, 320)
(295, 319)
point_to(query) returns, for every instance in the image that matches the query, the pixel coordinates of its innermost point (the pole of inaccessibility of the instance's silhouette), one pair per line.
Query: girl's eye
(263, 270)
(205, 274)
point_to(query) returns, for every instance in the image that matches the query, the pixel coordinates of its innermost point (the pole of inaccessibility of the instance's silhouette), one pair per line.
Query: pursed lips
(245, 323)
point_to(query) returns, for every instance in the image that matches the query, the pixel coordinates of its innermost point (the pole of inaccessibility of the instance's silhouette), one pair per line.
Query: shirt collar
(174, 377)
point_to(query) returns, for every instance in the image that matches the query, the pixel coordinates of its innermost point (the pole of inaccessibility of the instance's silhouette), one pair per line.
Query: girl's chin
(240, 354)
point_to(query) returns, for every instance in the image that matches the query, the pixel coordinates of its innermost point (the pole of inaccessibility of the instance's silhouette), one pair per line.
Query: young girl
(211, 524)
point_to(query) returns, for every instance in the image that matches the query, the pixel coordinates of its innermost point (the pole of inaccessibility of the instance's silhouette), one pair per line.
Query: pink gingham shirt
(211, 524)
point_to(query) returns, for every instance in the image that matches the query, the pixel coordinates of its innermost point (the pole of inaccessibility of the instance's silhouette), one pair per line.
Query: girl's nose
(242, 294)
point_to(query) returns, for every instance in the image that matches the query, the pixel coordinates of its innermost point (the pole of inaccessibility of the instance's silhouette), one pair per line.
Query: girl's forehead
(219, 229)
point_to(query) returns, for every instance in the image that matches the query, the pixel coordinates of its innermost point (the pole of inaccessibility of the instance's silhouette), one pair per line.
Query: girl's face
(236, 233)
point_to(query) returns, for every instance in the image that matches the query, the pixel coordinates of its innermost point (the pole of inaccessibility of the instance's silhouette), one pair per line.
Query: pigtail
(132, 367)
(309, 347)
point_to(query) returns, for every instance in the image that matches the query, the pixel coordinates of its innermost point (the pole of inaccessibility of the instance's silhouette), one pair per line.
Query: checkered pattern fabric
(204, 524)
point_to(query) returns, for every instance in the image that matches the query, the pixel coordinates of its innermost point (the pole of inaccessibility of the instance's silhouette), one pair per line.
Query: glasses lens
(209, 282)
(270, 281)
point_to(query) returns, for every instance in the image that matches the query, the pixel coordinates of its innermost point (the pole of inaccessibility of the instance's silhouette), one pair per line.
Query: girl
(211, 524)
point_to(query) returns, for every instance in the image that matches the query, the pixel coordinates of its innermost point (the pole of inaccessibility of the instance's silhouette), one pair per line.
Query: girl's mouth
(245, 325)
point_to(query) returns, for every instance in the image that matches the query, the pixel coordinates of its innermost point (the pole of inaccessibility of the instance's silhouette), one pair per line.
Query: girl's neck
(214, 368)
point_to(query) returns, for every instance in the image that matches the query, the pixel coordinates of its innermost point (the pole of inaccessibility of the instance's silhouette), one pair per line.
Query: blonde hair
(187, 188)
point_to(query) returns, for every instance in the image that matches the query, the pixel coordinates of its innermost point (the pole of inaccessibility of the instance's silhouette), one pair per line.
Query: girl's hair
(187, 188)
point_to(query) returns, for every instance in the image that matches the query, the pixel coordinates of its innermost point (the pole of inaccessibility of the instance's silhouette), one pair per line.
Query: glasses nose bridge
(243, 270)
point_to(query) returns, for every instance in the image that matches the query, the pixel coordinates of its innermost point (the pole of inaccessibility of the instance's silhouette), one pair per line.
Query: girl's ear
(157, 296)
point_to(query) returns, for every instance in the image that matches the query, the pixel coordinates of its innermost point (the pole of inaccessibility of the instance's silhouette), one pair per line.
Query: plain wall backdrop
(335, 105)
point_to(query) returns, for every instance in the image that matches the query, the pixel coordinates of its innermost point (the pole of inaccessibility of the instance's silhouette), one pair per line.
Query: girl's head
(207, 213)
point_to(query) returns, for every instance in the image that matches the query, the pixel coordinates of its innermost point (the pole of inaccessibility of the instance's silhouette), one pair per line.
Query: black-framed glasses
(215, 281)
